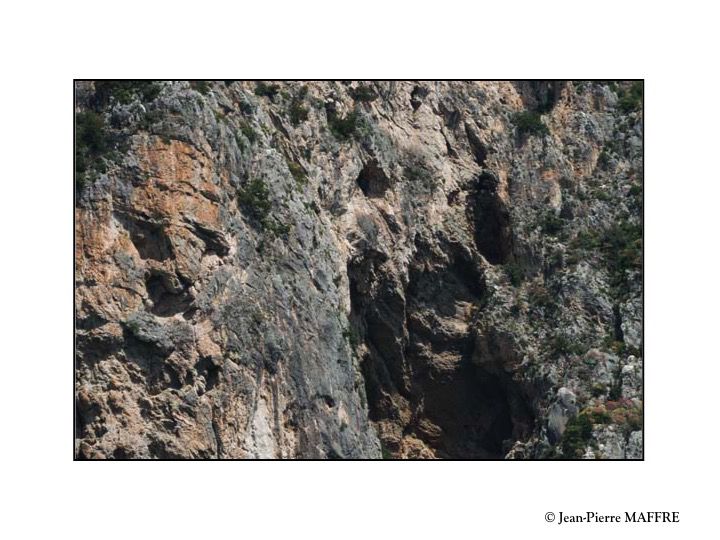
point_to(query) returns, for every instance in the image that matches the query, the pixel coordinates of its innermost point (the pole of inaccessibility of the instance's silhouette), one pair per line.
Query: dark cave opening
(418, 364)
(167, 299)
(491, 216)
(372, 180)
(150, 240)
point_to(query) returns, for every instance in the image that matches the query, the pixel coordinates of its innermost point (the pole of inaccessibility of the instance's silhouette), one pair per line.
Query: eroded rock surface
(359, 270)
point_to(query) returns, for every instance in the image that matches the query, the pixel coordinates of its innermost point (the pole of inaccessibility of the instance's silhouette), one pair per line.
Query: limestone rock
(358, 269)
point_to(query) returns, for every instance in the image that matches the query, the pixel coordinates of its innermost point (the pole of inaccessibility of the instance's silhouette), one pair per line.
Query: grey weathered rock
(561, 411)
(358, 269)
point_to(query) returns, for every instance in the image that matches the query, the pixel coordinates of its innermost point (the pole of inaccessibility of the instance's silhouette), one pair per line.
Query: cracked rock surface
(359, 269)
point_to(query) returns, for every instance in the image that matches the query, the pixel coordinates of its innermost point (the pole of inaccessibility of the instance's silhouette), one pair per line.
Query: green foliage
(598, 390)
(604, 158)
(562, 345)
(298, 172)
(551, 224)
(344, 127)
(267, 90)
(530, 123)
(201, 86)
(124, 92)
(351, 336)
(418, 173)
(298, 112)
(255, 197)
(92, 143)
(363, 93)
(621, 245)
(576, 436)
(631, 99)
(635, 190)
(247, 131)
(515, 273)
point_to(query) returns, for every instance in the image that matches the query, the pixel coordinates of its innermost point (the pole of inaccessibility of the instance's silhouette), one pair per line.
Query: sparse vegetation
(363, 93)
(247, 131)
(621, 247)
(551, 224)
(201, 86)
(515, 273)
(298, 172)
(631, 99)
(576, 437)
(563, 345)
(351, 336)
(344, 127)
(92, 143)
(266, 90)
(298, 112)
(124, 92)
(530, 123)
(255, 197)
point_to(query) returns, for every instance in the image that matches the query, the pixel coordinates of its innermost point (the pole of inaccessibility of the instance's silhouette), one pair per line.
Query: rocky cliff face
(358, 270)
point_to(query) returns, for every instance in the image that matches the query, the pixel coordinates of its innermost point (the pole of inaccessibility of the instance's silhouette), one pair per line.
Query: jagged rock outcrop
(359, 269)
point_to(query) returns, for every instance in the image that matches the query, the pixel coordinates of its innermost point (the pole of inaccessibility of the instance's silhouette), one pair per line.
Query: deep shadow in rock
(491, 217)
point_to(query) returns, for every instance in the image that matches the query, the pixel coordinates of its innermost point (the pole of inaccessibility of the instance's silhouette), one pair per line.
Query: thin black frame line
(642, 340)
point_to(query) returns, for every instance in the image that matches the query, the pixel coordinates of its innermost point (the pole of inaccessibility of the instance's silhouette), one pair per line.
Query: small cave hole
(167, 300)
(372, 180)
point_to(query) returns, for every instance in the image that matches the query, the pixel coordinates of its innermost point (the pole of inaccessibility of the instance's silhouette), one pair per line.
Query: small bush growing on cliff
(631, 98)
(551, 224)
(298, 112)
(577, 435)
(622, 246)
(515, 273)
(124, 92)
(529, 123)
(255, 197)
(247, 131)
(92, 143)
(363, 93)
(266, 90)
(298, 172)
(344, 127)
(201, 86)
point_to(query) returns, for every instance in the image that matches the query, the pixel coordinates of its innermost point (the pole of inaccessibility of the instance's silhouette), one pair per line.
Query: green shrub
(364, 94)
(267, 90)
(298, 172)
(621, 245)
(247, 131)
(530, 123)
(576, 436)
(635, 191)
(298, 112)
(551, 224)
(344, 127)
(598, 390)
(631, 99)
(604, 158)
(92, 144)
(351, 336)
(255, 198)
(515, 273)
(201, 86)
(563, 345)
(124, 92)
